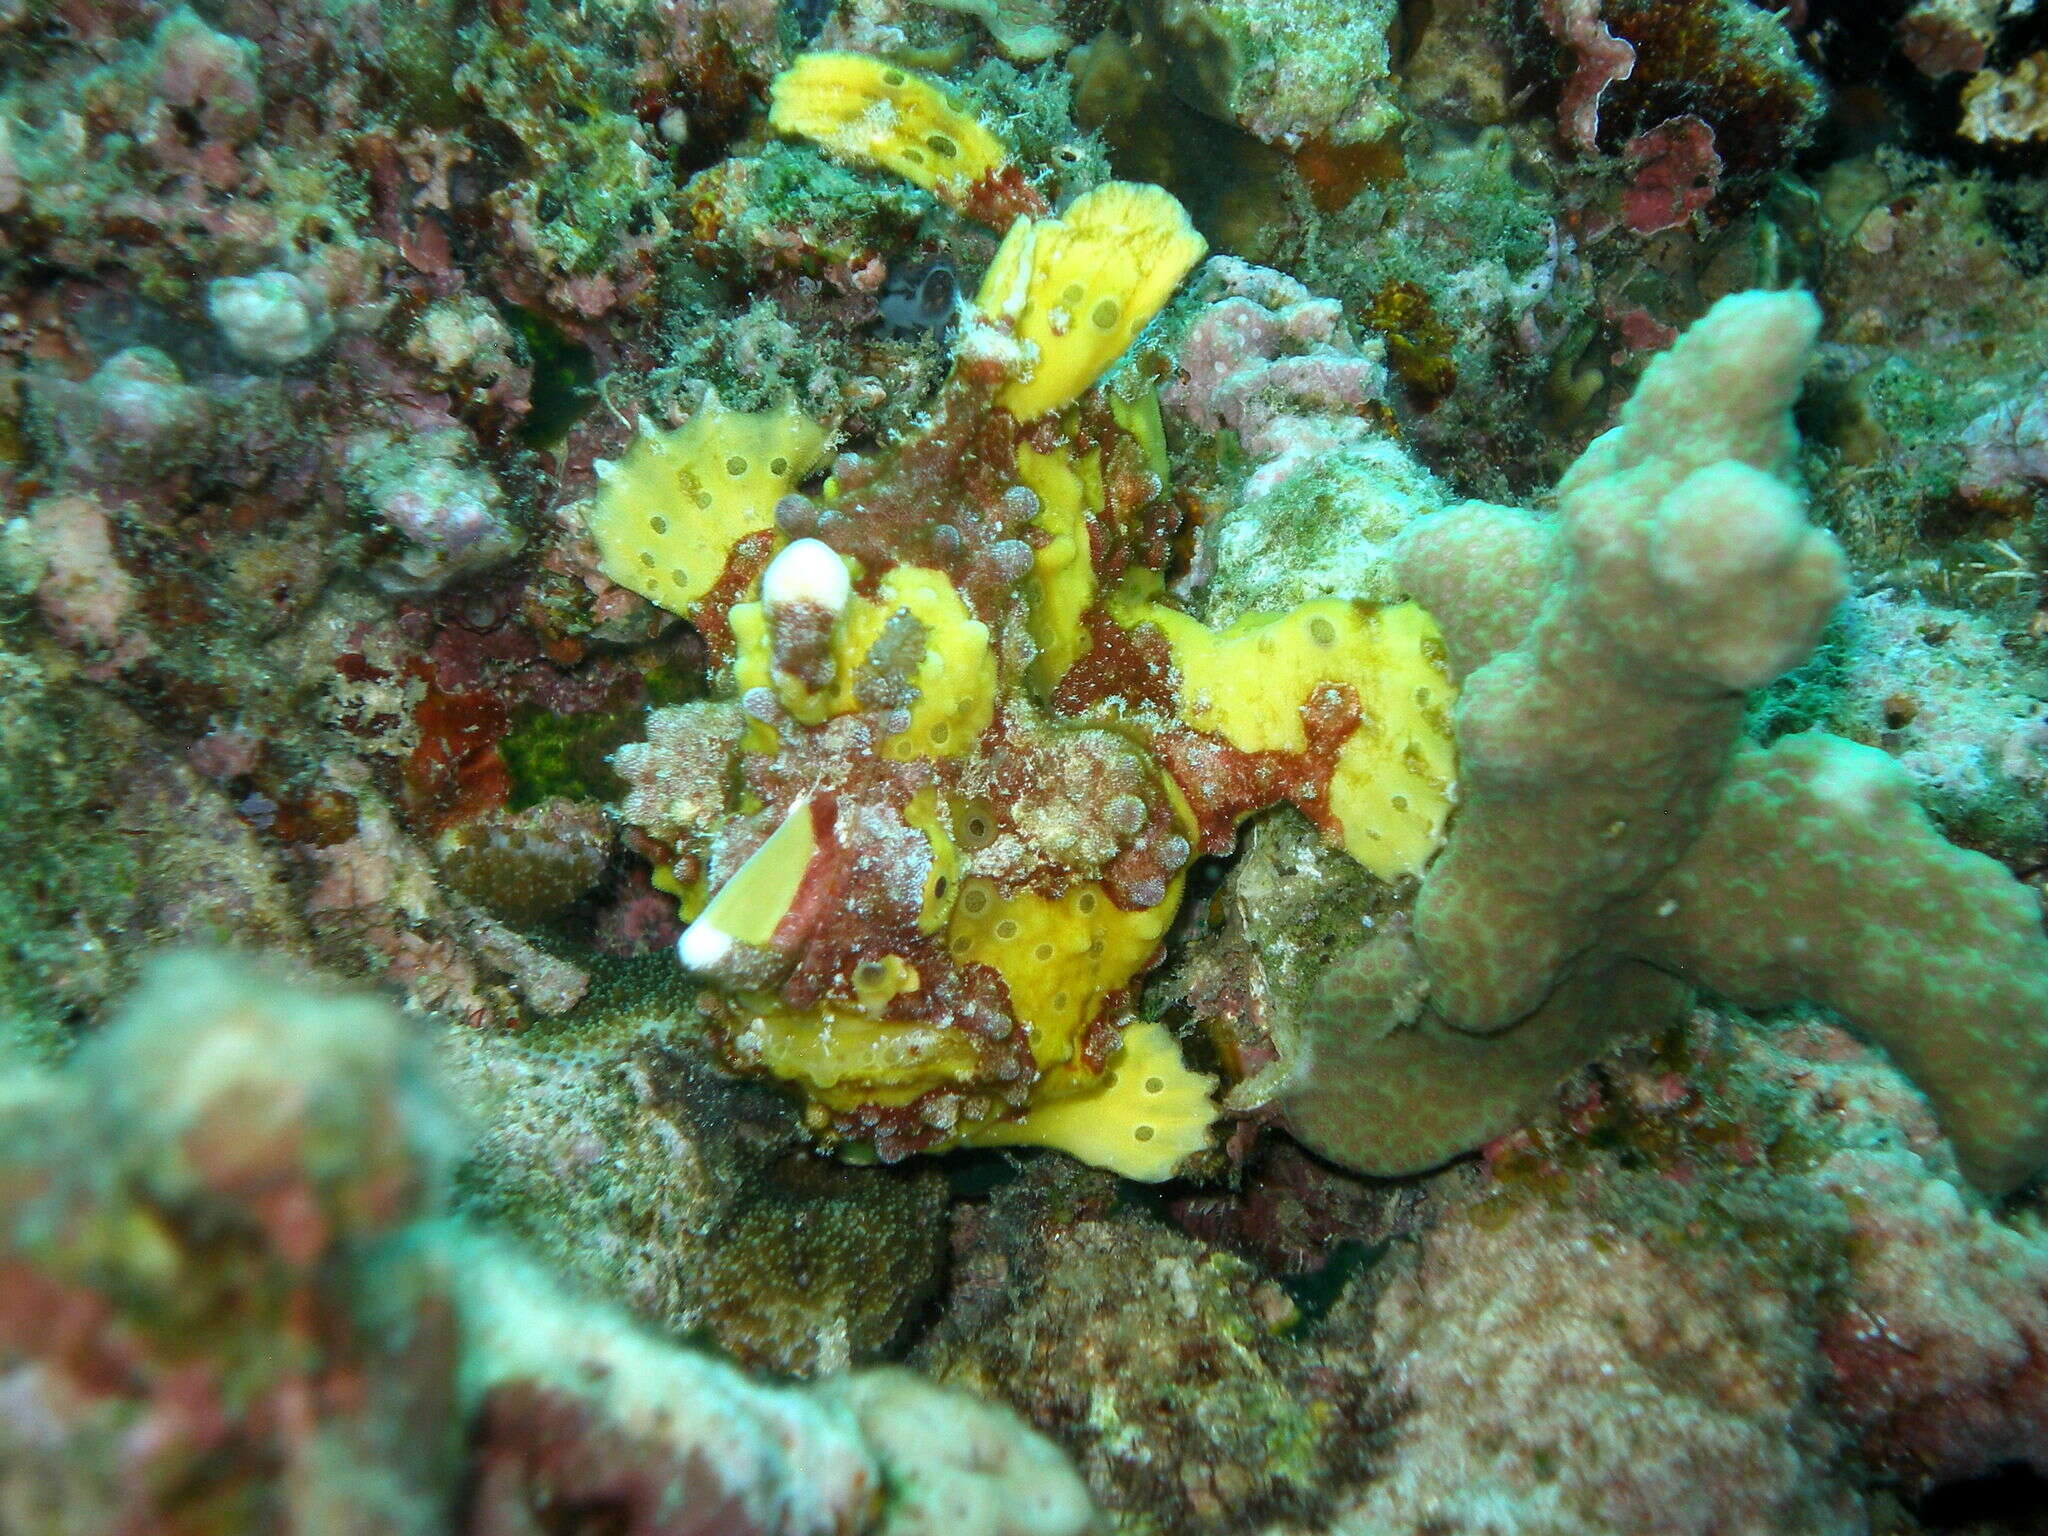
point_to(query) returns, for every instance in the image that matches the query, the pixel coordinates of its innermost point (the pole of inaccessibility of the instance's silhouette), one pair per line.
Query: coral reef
(1936, 689)
(1614, 838)
(227, 1303)
(1229, 1407)
(1275, 365)
(1133, 690)
(1569, 1333)
(1286, 73)
(705, 1215)
(1637, 64)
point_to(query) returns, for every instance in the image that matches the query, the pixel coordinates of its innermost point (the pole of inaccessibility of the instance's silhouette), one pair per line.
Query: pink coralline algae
(1556, 1375)
(1874, 1309)
(2005, 450)
(182, 1211)
(639, 921)
(448, 511)
(196, 70)
(85, 593)
(1676, 173)
(1581, 1342)
(135, 415)
(1946, 37)
(379, 896)
(1940, 1348)
(271, 317)
(1602, 59)
(1933, 1333)
(1277, 366)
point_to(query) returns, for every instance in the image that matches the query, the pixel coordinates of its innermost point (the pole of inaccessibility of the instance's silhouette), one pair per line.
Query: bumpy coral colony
(1618, 839)
(940, 821)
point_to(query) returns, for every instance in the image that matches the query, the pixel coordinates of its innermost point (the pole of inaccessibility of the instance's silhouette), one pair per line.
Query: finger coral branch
(1615, 838)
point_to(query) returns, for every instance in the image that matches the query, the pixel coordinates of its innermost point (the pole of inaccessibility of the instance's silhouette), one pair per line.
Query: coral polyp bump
(937, 823)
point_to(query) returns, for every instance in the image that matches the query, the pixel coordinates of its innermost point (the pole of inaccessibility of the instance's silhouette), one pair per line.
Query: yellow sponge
(844, 1059)
(1081, 286)
(1139, 1119)
(667, 514)
(871, 112)
(1068, 487)
(1134, 402)
(924, 814)
(955, 678)
(1060, 956)
(1390, 790)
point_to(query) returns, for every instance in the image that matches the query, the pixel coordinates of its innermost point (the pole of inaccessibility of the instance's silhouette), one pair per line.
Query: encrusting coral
(938, 824)
(1617, 841)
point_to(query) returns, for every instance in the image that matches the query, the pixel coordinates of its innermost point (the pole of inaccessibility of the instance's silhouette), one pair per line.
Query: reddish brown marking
(897, 1132)
(1419, 344)
(1328, 717)
(541, 1449)
(455, 772)
(1224, 785)
(744, 563)
(819, 888)
(1144, 518)
(321, 818)
(1336, 173)
(1001, 197)
(1129, 666)
(358, 668)
(962, 462)
(1104, 1036)
(1047, 434)
(71, 1329)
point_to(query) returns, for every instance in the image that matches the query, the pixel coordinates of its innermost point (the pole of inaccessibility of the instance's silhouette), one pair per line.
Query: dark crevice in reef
(2012, 1499)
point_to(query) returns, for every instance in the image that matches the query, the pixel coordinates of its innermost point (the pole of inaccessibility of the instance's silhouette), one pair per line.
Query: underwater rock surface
(949, 766)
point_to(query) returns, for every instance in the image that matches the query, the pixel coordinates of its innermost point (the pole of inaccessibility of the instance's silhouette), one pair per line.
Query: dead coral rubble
(227, 1304)
(636, 1167)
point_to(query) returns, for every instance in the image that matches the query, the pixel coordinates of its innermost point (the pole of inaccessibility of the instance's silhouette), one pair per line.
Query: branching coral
(938, 825)
(1617, 840)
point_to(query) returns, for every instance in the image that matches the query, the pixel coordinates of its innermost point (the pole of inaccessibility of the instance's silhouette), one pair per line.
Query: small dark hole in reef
(564, 377)
(1317, 1290)
(586, 1517)
(1205, 876)
(2016, 213)
(807, 17)
(2012, 1498)
(976, 1175)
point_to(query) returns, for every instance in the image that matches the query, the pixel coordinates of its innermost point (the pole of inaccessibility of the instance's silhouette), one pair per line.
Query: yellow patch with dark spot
(860, 110)
(667, 514)
(1080, 287)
